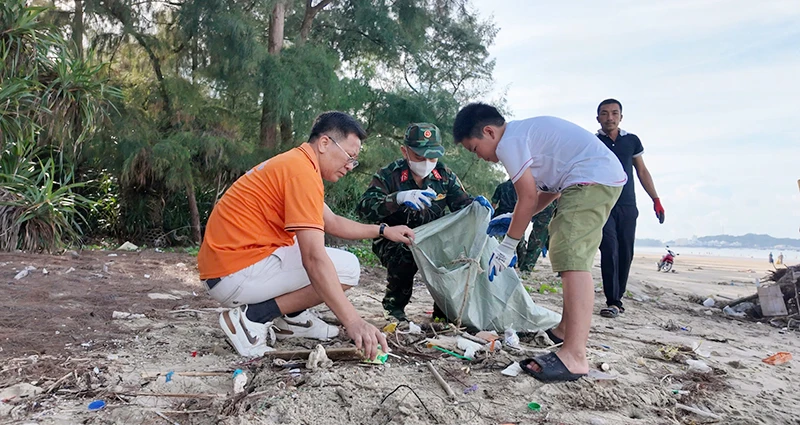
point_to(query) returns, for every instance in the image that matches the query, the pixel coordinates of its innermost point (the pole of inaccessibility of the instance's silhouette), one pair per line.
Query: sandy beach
(58, 336)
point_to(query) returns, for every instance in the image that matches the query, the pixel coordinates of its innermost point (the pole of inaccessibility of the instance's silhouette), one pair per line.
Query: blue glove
(417, 200)
(504, 256)
(498, 226)
(485, 202)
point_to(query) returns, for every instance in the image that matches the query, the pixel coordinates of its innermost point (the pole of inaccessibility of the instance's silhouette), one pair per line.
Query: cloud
(710, 86)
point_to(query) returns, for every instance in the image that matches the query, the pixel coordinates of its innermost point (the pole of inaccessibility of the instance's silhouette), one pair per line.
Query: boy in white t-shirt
(549, 158)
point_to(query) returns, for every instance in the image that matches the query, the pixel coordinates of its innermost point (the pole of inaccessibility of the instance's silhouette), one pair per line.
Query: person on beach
(414, 190)
(264, 254)
(549, 158)
(771, 260)
(619, 233)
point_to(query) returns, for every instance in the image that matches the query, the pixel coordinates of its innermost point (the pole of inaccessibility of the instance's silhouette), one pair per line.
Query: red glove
(659, 210)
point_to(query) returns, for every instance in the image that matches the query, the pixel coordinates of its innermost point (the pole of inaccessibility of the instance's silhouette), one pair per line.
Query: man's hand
(402, 234)
(505, 255)
(367, 338)
(485, 202)
(659, 210)
(498, 226)
(417, 200)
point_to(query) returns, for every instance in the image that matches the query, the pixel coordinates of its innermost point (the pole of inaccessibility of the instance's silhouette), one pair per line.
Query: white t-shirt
(558, 153)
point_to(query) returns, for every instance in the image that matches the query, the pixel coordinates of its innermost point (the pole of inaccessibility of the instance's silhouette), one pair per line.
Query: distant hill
(749, 240)
(649, 242)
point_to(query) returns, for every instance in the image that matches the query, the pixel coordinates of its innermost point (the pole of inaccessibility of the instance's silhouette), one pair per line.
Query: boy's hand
(485, 202)
(505, 255)
(498, 226)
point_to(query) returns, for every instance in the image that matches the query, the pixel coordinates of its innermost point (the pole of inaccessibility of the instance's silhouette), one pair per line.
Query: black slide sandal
(553, 369)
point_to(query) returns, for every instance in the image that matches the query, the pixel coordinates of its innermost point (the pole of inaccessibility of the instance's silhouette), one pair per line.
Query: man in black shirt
(616, 249)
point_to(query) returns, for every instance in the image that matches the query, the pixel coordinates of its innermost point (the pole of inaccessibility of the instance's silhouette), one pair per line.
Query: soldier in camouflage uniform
(505, 199)
(413, 191)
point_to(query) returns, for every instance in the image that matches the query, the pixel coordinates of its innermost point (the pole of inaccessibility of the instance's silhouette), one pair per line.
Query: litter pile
(777, 300)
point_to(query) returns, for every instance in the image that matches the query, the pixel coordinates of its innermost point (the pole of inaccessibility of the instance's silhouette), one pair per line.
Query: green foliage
(52, 99)
(198, 87)
(40, 209)
(363, 251)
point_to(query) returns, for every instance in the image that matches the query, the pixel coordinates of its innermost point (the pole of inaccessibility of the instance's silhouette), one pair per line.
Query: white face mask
(422, 168)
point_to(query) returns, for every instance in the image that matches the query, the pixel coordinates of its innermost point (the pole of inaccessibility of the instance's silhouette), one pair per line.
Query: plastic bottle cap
(97, 405)
(534, 406)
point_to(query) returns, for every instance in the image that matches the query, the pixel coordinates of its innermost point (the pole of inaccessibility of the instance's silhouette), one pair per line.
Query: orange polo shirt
(261, 211)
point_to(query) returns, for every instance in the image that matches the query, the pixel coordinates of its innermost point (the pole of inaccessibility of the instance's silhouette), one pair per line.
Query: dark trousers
(616, 251)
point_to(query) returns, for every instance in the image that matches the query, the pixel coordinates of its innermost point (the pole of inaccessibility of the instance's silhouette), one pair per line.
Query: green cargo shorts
(577, 228)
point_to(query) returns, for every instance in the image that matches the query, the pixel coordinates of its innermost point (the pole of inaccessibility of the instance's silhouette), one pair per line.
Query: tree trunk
(195, 213)
(269, 115)
(77, 27)
(308, 19)
(286, 130)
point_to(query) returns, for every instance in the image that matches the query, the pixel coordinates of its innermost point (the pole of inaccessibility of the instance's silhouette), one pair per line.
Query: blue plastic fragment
(96, 405)
(169, 375)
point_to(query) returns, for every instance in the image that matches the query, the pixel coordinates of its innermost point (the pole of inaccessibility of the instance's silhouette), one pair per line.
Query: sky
(711, 87)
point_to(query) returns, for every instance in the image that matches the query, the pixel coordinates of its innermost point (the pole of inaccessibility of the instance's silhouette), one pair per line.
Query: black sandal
(553, 337)
(553, 369)
(611, 312)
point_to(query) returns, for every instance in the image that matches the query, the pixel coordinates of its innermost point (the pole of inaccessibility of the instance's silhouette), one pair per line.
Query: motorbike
(665, 265)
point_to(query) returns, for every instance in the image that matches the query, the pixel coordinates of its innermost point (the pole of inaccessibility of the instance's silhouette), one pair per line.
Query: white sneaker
(250, 339)
(304, 325)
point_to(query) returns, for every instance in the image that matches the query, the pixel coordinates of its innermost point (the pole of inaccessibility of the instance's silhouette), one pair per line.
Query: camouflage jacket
(505, 198)
(379, 203)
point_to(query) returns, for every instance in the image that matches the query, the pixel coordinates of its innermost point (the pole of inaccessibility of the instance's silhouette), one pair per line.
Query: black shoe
(398, 314)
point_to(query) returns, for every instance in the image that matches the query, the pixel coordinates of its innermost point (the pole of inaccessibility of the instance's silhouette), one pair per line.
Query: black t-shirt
(626, 147)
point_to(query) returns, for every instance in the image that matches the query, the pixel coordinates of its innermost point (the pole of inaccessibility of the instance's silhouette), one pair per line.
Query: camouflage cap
(425, 140)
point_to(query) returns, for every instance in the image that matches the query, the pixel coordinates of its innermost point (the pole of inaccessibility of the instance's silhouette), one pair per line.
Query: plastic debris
(239, 381)
(168, 376)
(513, 369)
(414, 329)
(390, 328)
(318, 359)
(698, 366)
(778, 358)
(709, 302)
(96, 405)
(469, 347)
(44, 271)
(381, 358)
(731, 312)
(194, 353)
(511, 338)
(24, 272)
(127, 246)
(534, 406)
(471, 389)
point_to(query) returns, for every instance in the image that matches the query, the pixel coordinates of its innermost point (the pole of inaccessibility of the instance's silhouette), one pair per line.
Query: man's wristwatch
(380, 232)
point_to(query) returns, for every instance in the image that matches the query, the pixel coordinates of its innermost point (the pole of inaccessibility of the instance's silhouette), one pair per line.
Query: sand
(47, 345)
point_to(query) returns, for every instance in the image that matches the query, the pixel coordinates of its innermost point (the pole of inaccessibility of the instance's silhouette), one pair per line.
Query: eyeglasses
(350, 160)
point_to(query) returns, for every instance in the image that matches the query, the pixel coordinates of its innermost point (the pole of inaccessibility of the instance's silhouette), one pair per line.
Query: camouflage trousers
(400, 271)
(528, 253)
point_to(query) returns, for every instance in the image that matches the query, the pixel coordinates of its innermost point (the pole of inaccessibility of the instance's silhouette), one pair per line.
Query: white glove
(417, 200)
(505, 255)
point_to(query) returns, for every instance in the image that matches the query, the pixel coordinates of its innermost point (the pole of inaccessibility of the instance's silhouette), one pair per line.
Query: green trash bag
(452, 254)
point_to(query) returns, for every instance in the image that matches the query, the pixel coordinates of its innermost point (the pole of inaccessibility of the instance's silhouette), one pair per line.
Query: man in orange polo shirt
(264, 251)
